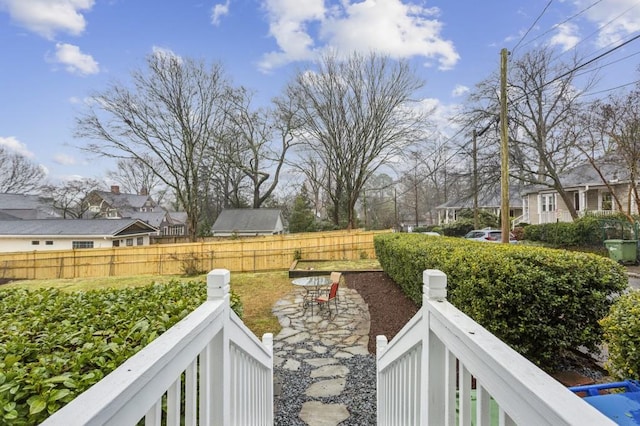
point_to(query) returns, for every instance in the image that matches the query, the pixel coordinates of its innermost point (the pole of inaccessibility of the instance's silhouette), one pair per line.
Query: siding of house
(65, 243)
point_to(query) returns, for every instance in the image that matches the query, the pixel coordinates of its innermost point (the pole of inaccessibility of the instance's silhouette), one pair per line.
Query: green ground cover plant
(540, 301)
(55, 344)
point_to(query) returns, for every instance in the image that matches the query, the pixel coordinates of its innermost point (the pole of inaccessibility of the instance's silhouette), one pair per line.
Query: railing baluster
(483, 405)
(154, 415)
(173, 403)
(464, 399)
(450, 388)
(190, 394)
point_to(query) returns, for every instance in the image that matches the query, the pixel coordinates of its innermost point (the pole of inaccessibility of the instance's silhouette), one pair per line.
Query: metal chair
(333, 295)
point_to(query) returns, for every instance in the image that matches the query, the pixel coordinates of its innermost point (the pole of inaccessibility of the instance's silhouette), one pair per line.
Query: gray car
(489, 235)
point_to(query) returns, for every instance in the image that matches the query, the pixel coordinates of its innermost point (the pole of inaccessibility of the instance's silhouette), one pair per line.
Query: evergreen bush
(538, 300)
(622, 334)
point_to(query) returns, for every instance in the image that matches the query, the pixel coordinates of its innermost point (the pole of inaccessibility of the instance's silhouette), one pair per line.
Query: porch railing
(419, 369)
(208, 369)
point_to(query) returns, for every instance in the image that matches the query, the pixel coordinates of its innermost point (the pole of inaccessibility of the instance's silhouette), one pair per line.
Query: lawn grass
(338, 265)
(258, 291)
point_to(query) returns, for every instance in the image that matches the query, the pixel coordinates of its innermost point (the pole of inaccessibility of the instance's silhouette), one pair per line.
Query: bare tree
(544, 101)
(173, 114)
(611, 144)
(18, 174)
(355, 116)
(136, 177)
(69, 197)
(258, 142)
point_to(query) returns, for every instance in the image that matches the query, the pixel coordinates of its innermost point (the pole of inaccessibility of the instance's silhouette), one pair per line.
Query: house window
(548, 202)
(116, 243)
(35, 243)
(49, 243)
(576, 200)
(82, 244)
(607, 201)
(140, 241)
(129, 242)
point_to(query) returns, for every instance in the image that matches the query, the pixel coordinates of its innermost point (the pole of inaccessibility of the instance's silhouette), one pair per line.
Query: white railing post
(216, 386)
(267, 341)
(381, 401)
(433, 374)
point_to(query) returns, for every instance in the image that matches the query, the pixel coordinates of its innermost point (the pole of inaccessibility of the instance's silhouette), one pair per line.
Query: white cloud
(162, 52)
(74, 60)
(566, 37)
(615, 18)
(64, 159)
(459, 90)
(16, 146)
(47, 17)
(218, 11)
(390, 27)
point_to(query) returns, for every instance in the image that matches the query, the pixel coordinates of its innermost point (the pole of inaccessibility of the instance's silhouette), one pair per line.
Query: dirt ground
(389, 308)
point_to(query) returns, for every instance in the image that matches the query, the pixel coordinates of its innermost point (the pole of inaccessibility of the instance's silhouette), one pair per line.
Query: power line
(611, 89)
(580, 66)
(601, 27)
(532, 25)
(562, 23)
(609, 63)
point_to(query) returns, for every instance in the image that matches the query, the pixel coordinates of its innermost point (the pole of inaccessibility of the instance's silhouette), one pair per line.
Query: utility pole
(504, 154)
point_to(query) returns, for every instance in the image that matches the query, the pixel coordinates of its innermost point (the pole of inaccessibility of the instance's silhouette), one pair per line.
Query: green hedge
(54, 345)
(586, 231)
(622, 334)
(538, 300)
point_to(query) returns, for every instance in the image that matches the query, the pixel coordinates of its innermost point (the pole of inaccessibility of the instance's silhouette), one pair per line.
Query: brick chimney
(115, 189)
(144, 191)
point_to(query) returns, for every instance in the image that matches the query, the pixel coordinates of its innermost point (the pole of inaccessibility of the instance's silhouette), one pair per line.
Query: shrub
(54, 345)
(586, 231)
(538, 300)
(622, 334)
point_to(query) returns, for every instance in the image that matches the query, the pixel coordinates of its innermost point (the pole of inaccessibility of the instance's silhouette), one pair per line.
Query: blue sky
(56, 52)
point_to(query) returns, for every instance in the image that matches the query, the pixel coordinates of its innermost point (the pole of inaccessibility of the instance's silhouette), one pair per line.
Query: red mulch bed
(389, 308)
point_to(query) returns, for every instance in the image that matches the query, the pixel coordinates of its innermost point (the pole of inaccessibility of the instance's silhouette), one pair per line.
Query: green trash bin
(623, 251)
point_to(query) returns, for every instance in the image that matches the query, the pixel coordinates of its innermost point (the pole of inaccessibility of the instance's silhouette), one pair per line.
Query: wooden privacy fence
(241, 255)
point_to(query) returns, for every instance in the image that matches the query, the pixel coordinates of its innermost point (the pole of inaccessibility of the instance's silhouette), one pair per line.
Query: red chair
(333, 295)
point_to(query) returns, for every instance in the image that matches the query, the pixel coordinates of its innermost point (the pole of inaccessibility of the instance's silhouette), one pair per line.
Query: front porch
(209, 369)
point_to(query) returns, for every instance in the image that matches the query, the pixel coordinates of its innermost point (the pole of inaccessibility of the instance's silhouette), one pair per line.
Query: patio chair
(332, 296)
(335, 278)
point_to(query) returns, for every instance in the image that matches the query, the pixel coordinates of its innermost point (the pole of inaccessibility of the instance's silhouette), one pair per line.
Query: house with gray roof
(23, 206)
(67, 234)
(116, 204)
(248, 222)
(587, 191)
(488, 200)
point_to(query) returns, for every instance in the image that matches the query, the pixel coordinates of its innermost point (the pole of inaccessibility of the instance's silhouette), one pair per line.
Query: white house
(61, 234)
(587, 194)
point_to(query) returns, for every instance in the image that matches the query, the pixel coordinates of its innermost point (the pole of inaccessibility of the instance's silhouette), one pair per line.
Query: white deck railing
(208, 369)
(417, 374)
